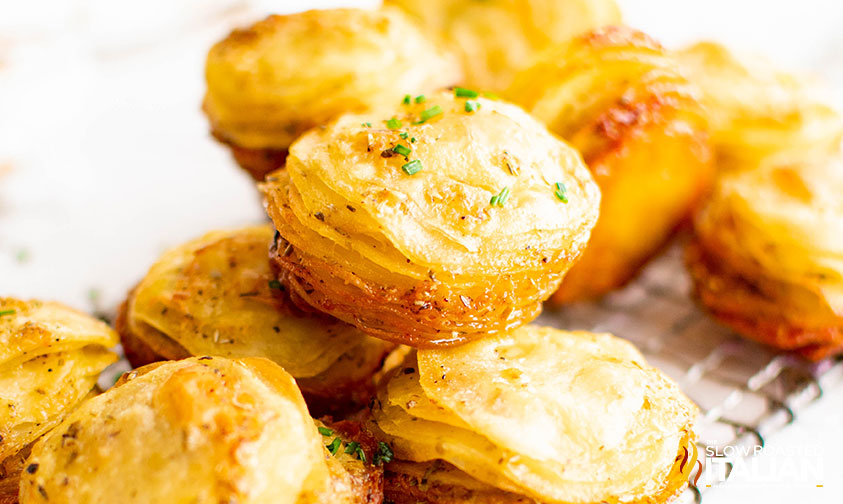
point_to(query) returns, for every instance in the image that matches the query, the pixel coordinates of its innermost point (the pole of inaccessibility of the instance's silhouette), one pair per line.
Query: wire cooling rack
(745, 391)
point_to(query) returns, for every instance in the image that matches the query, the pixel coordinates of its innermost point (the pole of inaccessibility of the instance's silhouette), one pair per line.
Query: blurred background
(106, 160)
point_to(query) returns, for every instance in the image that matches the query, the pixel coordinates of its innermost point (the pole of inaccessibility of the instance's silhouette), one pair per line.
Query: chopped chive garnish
(393, 123)
(404, 135)
(421, 98)
(325, 431)
(465, 93)
(406, 100)
(471, 106)
(412, 167)
(360, 454)
(334, 447)
(500, 198)
(561, 192)
(429, 114)
(275, 284)
(22, 255)
(366, 125)
(383, 455)
(413, 140)
(402, 150)
(7, 312)
(351, 447)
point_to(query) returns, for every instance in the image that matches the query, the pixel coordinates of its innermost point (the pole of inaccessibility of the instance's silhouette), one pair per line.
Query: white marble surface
(105, 158)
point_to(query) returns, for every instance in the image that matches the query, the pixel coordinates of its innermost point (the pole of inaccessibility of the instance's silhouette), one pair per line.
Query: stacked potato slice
(757, 111)
(620, 98)
(197, 430)
(765, 257)
(537, 412)
(216, 295)
(386, 219)
(495, 39)
(409, 210)
(51, 359)
(270, 83)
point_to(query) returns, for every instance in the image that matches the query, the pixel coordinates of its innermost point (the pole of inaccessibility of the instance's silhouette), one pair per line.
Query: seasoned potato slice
(430, 223)
(271, 82)
(200, 430)
(541, 413)
(620, 98)
(50, 359)
(767, 255)
(756, 110)
(216, 295)
(498, 38)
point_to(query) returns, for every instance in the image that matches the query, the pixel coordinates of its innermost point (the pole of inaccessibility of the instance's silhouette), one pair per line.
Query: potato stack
(434, 172)
(440, 221)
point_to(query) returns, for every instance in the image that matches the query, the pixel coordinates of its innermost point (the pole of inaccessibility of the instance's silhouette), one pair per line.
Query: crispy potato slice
(757, 110)
(497, 38)
(235, 430)
(622, 100)
(767, 256)
(271, 82)
(426, 258)
(216, 295)
(51, 359)
(543, 413)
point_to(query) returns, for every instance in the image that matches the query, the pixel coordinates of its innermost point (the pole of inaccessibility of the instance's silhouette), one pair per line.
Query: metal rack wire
(745, 391)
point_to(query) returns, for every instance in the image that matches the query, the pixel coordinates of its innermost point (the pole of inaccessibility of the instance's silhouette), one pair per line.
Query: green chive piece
(429, 114)
(504, 196)
(360, 454)
(7, 312)
(366, 125)
(275, 285)
(404, 135)
(402, 150)
(471, 106)
(412, 167)
(393, 123)
(351, 447)
(421, 98)
(326, 431)
(500, 198)
(334, 447)
(413, 140)
(561, 192)
(406, 100)
(465, 93)
(384, 454)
